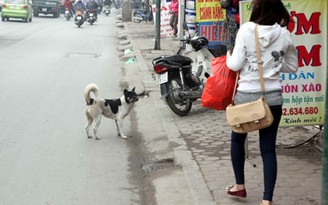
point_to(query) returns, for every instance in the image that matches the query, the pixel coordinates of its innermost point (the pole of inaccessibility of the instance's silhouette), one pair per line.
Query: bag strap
(259, 61)
(259, 64)
(235, 88)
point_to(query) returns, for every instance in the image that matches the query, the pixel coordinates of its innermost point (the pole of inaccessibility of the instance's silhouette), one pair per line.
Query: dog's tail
(90, 88)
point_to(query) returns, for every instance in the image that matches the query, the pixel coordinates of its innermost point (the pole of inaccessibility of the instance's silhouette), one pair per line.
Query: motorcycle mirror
(186, 31)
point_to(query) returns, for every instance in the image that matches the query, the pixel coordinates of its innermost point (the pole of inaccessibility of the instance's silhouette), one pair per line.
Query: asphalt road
(45, 156)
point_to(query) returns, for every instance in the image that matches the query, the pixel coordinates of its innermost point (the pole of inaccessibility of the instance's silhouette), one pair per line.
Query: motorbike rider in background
(69, 6)
(91, 5)
(100, 5)
(117, 4)
(107, 6)
(79, 5)
(108, 3)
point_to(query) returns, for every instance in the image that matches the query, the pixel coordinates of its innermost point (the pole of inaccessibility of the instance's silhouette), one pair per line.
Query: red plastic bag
(219, 87)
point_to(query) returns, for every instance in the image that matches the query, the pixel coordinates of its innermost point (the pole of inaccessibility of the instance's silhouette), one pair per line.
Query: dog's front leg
(119, 125)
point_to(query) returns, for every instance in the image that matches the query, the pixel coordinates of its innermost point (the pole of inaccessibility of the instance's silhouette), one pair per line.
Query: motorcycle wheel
(179, 107)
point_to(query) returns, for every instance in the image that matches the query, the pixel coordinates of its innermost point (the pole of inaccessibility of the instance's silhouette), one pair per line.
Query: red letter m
(306, 25)
(304, 56)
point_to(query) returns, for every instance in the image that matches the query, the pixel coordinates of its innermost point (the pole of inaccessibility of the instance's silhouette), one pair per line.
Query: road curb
(197, 187)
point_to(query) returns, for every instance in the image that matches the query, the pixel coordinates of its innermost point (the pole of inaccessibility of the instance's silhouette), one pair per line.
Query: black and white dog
(116, 109)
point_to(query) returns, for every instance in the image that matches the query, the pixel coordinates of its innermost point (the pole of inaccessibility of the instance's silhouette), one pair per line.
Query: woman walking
(278, 54)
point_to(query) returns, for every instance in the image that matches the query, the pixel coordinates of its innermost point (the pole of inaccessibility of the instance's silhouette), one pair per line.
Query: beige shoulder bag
(250, 116)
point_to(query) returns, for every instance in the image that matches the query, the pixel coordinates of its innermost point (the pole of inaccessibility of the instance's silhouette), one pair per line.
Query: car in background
(46, 7)
(17, 9)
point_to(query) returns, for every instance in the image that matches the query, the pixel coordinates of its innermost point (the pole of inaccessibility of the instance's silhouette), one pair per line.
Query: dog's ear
(133, 89)
(125, 91)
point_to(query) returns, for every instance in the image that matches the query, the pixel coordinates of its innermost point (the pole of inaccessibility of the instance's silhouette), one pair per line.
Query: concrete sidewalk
(200, 144)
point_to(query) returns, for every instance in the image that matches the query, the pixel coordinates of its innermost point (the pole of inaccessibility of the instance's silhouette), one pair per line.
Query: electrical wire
(302, 143)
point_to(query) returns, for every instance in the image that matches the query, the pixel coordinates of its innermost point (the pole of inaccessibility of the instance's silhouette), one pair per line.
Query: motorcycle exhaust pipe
(194, 94)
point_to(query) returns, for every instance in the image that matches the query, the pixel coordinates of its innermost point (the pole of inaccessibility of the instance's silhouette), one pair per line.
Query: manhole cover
(162, 164)
(84, 55)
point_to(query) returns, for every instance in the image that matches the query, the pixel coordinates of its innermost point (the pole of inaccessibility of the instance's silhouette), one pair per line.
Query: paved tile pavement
(299, 169)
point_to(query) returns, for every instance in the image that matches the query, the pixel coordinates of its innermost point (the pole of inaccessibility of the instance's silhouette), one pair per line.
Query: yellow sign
(209, 11)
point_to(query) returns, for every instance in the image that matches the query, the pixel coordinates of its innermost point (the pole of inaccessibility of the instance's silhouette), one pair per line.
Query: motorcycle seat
(177, 60)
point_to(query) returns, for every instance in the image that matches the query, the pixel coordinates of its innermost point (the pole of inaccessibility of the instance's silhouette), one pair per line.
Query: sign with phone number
(303, 92)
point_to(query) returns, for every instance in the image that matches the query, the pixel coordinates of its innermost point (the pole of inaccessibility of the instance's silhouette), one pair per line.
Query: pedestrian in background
(278, 54)
(174, 10)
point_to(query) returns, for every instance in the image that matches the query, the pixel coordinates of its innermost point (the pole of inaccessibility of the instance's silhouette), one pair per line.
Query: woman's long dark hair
(269, 12)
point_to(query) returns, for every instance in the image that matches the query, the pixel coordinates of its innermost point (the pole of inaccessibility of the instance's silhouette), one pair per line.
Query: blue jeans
(268, 153)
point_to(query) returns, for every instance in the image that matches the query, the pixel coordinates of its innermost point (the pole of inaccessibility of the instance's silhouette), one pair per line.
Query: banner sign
(214, 32)
(209, 10)
(304, 92)
(166, 30)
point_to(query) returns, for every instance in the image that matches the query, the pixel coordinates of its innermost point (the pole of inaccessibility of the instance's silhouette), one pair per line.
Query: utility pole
(158, 26)
(181, 20)
(324, 182)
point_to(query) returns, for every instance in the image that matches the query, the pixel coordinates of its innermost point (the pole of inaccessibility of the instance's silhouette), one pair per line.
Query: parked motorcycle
(91, 16)
(142, 15)
(181, 78)
(107, 10)
(79, 17)
(68, 14)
